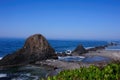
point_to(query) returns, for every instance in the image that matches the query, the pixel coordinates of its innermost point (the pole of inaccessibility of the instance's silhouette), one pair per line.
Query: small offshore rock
(79, 50)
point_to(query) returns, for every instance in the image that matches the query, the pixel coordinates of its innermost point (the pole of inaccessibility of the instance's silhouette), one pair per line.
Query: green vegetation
(109, 72)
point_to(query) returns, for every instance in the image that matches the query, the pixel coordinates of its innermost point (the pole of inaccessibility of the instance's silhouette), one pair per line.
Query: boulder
(36, 48)
(79, 50)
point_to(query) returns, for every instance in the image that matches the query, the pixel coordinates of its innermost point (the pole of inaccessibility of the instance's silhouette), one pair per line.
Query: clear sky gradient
(61, 19)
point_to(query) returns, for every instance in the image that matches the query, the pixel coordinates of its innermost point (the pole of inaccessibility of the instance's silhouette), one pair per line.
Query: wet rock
(100, 47)
(36, 48)
(59, 64)
(93, 59)
(112, 44)
(79, 50)
(105, 46)
(97, 48)
(91, 49)
(62, 54)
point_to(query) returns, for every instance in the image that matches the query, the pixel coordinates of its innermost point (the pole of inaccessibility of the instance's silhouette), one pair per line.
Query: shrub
(109, 72)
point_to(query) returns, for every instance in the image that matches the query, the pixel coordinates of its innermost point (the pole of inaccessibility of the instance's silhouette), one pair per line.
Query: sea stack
(79, 50)
(36, 48)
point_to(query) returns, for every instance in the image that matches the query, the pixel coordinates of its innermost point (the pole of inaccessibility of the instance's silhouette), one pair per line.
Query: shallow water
(71, 58)
(113, 47)
(31, 72)
(24, 73)
(89, 59)
(92, 59)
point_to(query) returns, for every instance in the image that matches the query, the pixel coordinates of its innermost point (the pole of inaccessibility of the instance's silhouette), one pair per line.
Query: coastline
(114, 55)
(63, 65)
(57, 65)
(69, 61)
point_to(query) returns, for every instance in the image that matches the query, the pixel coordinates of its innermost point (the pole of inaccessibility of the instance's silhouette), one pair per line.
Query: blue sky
(60, 19)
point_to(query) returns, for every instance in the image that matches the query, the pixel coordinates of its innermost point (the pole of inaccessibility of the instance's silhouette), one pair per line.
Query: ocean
(28, 72)
(10, 45)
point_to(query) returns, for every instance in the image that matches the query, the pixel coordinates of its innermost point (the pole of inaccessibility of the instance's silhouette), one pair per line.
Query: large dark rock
(79, 50)
(35, 48)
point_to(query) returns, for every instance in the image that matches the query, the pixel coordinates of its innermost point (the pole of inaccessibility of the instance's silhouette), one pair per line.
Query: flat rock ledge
(114, 55)
(57, 64)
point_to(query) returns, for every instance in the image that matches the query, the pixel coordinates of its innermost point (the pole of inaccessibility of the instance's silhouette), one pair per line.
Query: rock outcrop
(36, 48)
(96, 48)
(79, 50)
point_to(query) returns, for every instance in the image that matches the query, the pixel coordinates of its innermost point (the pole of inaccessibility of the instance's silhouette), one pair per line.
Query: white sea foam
(68, 52)
(3, 75)
(0, 58)
(89, 47)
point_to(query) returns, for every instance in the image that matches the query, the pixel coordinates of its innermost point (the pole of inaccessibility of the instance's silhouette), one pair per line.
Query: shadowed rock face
(79, 50)
(35, 48)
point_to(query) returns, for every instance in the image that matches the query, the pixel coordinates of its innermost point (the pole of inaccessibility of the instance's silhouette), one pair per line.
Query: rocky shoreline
(100, 51)
(37, 51)
(114, 55)
(111, 55)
